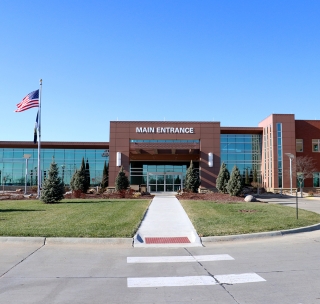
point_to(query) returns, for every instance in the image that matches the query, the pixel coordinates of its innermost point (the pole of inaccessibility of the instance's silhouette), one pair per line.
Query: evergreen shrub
(234, 185)
(53, 187)
(222, 179)
(122, 182)
(192, 181)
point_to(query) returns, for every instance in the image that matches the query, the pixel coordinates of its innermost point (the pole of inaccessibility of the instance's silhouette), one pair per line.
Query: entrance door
(164, 181)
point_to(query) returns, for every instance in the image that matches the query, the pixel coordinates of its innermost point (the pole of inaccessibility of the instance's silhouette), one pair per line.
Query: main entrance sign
(164, 130)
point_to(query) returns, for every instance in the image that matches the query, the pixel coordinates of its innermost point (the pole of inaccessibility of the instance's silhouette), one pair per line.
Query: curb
(126, 242)
(301, 229)
(84, 241)
(18, 239)
(257, 235)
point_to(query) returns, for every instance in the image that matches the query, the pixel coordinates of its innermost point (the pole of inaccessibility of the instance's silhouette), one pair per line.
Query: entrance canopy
(164, 151)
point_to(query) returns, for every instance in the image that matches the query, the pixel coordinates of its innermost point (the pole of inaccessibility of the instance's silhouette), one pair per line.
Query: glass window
(65, 158)
(279, 140)
(248, 157)
(242, 150)
(315, 145)
(279, 127)
(316, 179)
(248, 147)
(160, 168)
(299, 145)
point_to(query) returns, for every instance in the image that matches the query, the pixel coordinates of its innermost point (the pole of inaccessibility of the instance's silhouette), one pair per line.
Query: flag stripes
(28, 102)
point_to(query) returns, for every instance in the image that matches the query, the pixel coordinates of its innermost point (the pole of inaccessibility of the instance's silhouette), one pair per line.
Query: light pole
(26, 157)
(291, 157)
(63, 167)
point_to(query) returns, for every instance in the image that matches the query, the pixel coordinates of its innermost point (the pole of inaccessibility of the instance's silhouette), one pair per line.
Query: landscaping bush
(192, 181)
(222, 179)
(234, 185)
(53, 187)
(77, 182)
(122, 182)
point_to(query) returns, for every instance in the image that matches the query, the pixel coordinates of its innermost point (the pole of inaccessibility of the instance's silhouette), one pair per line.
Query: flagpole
(39, 142)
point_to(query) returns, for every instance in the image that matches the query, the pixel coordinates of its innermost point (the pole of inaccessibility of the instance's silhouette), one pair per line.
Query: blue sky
(235, 62)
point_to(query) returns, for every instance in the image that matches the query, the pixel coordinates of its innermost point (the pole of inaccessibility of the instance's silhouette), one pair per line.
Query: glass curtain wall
(242, 150)
(13, 165)
(267, 151)
(279, 148)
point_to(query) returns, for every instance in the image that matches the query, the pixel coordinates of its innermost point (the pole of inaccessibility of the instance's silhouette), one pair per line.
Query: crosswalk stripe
(180, 259)
(171, 281)
(193, 280)
(239, 278)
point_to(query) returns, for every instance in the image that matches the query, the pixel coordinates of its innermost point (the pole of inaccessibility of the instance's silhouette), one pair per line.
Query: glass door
(152, 182)
(164, 182)
(177, 182)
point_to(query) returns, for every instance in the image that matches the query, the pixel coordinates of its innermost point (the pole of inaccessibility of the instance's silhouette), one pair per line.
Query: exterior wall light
(291, 156)
(210, 159)
(118, 159)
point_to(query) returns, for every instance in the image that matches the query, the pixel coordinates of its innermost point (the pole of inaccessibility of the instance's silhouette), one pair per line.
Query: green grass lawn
(211, 218)
(72, 218)
(121, 218)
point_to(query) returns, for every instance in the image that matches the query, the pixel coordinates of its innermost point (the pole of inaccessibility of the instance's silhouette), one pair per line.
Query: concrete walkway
(166, 225)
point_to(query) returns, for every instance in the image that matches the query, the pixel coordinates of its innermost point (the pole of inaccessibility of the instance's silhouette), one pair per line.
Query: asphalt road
(289, 268)
(307, 203)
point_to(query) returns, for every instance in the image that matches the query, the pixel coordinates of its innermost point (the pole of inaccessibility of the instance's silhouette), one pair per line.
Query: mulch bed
(110, 196)
(15, 196)
(212, 196)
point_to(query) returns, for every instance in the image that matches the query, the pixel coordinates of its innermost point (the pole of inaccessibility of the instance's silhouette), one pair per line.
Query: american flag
(28, 102)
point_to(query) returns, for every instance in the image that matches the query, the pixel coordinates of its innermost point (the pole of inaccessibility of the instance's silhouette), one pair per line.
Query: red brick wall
(208, 132)
(288, 146)
(308, 130)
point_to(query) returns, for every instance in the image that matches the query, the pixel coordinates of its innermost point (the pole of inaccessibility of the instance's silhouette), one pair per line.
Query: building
(155, 155)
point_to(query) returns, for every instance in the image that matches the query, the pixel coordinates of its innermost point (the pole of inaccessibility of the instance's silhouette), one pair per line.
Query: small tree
(234, 186)
(72, 180)
(247, 180)
(222, 179)
(122, 182)
(87, 175)
(303, 168)
(77, 182)
(105, 175)
(192, 181)
(53, 187)
(255, 176)
(83, 173)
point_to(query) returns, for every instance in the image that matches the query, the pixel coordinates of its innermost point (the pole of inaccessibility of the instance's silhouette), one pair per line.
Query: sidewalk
(310, 203)
(166, 225)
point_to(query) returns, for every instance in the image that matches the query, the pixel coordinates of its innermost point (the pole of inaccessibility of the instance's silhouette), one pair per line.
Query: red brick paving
(167, 240)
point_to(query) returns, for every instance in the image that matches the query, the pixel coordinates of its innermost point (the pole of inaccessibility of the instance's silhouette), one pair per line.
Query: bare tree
(303, 167)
